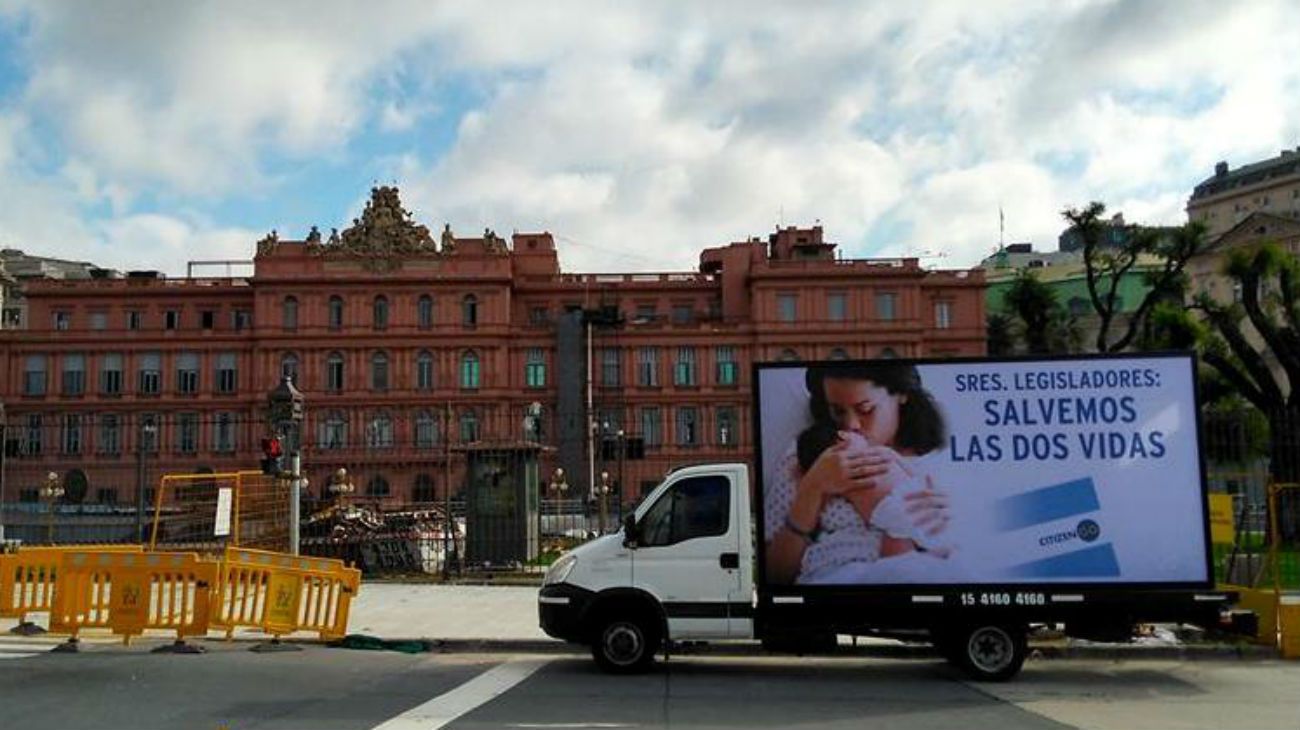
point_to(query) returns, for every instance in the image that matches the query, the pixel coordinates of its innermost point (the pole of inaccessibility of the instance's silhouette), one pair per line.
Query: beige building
(1226, 199)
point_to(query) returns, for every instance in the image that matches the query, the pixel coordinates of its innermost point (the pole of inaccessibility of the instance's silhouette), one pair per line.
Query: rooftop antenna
(1002, 227)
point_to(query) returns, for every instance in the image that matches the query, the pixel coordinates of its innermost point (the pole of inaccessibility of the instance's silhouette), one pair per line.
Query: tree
(1264, 368)
(1001, 338)
(1034, 304)
(1107, 267)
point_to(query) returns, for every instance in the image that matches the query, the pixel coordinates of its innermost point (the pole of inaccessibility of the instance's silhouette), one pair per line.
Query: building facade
(410, 350)
(1270, 186)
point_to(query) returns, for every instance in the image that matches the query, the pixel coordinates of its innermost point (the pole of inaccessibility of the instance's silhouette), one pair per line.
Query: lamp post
(622, 495)
(284, 416)
(604, 494)
(51, 493)
(144, 441)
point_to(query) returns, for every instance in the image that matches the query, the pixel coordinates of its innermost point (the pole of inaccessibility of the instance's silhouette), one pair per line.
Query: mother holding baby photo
(853, 501)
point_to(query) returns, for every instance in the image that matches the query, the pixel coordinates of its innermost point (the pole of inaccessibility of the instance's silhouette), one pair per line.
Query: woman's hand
(928, 508)
(843, 468)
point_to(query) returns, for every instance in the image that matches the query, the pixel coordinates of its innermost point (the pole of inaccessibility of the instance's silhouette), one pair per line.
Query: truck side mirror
(631, 535)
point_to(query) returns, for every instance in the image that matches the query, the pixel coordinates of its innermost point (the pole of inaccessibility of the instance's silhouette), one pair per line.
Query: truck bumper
(561, 608)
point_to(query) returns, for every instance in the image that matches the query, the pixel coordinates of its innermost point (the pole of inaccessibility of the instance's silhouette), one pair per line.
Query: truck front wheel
(625, 645)
(991, 652)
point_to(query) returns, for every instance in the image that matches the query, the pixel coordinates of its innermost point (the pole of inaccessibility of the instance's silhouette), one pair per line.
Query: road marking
(569, 724)
(17, 650)
(480, 690)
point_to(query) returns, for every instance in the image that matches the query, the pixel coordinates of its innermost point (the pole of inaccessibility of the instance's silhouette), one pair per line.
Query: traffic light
(272, 456)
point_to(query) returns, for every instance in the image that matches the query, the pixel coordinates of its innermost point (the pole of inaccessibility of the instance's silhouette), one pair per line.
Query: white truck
(954, 501)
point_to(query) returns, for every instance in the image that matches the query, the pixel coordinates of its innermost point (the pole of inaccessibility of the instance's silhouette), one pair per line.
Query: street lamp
(558, 484)
(143, 443)
(604, 492)
(340, 484)
(622, 448)
(52, 492)
(285, 416)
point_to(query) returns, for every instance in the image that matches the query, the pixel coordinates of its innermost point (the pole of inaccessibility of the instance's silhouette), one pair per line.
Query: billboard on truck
(1081, 471)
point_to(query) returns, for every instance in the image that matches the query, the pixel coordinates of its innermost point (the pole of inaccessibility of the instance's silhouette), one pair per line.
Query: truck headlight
(560, 569)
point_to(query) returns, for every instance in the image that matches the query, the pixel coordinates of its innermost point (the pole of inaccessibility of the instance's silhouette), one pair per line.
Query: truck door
(687, 555)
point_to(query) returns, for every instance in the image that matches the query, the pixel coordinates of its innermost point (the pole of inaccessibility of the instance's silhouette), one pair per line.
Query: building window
(538, 316)
(611, 370)
(647, 367)
(106, 495)
(469, 427)
(886, 305)
(99, 321)
(379, 432)
(35, 435)
(426, 430)
(888, 353)
(726, 422)
(423, 490)
(172, 319)
(788, 355)
(838, 353)
(380, 311)
(289, 313)
(645, 313)
(63, 321)
(379, 371)
(150, 373)
(134, 320)
(227, 373)
(336, 313)
(71, 440)
(334, 431)
(110, 435)
(469, 373)
(688, 424)
(943, 315)
(187, 373)
(652, 427)
(535, 368)
(224, 434)
(377, 487)
(683, 313)
(334, 372)
(469, 311)
(728, 369)
(34, 381)
(242, 319)
(684, 368)
(837, 308)
(74, 374)
(786, 307)
(424, 312)
(208, 319)
(424, 370)
(110, 374)
(289, 366)
(187, 433)
(149, 441)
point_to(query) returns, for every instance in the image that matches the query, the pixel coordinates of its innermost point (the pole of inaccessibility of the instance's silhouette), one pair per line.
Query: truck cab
(681, 567)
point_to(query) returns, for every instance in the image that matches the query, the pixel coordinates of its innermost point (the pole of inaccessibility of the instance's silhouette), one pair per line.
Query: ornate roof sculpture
(383, 234)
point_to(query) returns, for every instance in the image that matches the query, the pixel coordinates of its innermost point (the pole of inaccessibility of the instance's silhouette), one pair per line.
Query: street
(111, 686)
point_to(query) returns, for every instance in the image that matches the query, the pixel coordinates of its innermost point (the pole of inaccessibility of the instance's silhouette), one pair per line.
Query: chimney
(1221, 169)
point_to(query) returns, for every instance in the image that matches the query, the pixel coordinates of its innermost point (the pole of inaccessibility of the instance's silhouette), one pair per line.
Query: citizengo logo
(1087, 530)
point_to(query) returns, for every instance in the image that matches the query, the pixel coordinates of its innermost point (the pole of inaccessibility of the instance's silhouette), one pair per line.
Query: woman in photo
(852, 501)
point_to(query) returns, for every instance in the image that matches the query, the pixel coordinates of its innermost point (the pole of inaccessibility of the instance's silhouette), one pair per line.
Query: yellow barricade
(28, 577)
(1289, 620)
(131, 593)
(1264, 604)
(281, 594)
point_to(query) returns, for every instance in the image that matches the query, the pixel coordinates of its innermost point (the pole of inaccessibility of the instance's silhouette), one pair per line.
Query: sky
(143, 135)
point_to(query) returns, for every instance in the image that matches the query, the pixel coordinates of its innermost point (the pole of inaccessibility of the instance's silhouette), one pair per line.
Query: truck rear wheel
(625, 645)
(991, 652)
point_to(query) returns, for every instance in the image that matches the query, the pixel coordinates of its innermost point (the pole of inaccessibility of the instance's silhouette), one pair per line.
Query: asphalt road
(234, 689)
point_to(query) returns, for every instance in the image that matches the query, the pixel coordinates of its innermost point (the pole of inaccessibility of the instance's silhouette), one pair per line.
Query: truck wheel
(625, 645)
(992, 652)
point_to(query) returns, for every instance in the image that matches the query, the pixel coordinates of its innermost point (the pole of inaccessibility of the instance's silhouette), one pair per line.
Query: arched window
(289, 314)
(469, 310)
(289, 367)
(423, 490)
(469, 372)
(377, 486)
(788, 355)
(426, 430)
(379, 432)
(839, 354)
(379, 371)
(469, 427)
(334, 431)
(424, 370)
(336, 313)
(381, 312)
(424, 312)
(888, 353)
(334, 372)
